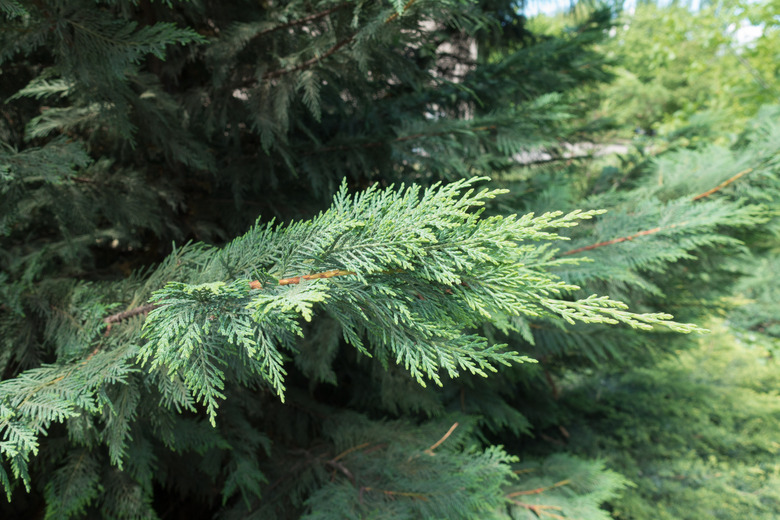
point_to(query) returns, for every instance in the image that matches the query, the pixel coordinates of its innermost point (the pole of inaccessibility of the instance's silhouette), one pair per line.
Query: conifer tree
(378, 343)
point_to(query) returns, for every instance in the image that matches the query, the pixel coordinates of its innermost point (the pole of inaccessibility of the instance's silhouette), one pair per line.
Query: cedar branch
(255, 284)
(657, 229)
(301, 21)
(313, 61)
(617, 240)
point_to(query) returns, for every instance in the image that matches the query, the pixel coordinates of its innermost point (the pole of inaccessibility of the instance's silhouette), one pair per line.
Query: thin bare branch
(621, 239)
(540, 490)
(723, 184)
(121, 316)
(438, 443)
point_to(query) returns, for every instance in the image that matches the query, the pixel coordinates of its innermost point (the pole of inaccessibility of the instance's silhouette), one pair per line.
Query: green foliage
(454, 481)
(675, 64)
(695, 435)
(284, 373)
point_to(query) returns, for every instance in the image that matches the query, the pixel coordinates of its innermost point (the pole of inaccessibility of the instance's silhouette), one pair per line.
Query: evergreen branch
(316, 276)
(12, 9)
(301, 21)
(658, 229)
(313, 61)
(621, 239)
(434, 237)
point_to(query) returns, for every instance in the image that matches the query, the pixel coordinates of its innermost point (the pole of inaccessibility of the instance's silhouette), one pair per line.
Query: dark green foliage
(286, 373)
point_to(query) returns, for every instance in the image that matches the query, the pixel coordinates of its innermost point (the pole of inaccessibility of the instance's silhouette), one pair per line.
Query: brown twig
(121, 316)
(552, 440)
(395, 15)
(553, 386)
(438, 443)
(308, 63)
(334, 462)
(723, 184)
(540, 490)
(350, 450)
(254, 284)
(541, 510)
(316, 276)
(621, 239)
(342, 468)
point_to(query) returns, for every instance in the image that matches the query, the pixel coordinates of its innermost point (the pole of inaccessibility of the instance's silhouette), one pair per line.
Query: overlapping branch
(658, 229)
(339, 45)
(621, 239)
